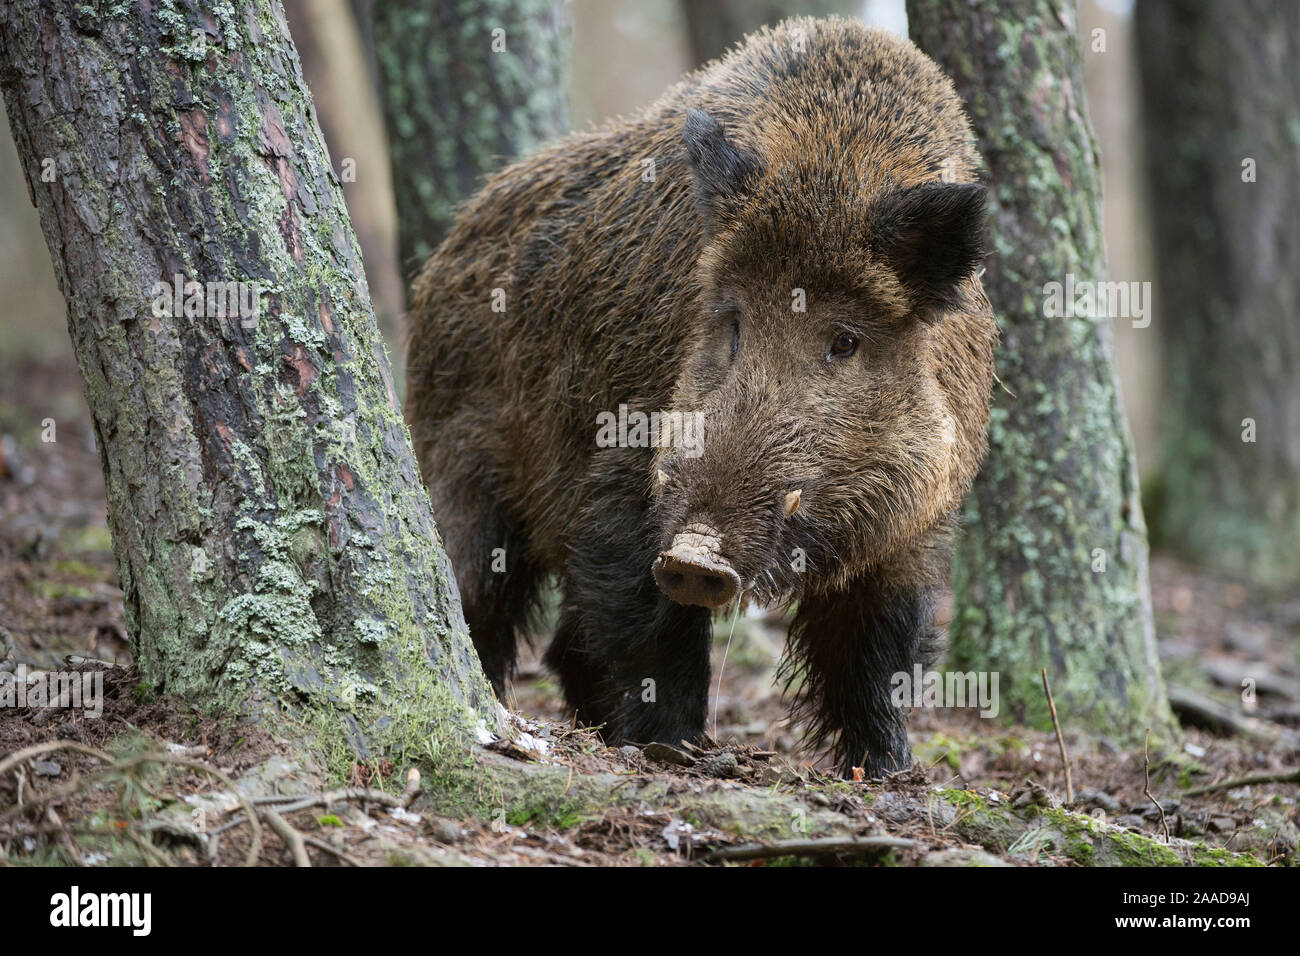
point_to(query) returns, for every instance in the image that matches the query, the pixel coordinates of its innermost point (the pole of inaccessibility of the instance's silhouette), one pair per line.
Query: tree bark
(1051, 566)
(1221, 93)
(274, 542)
(337, 70)
(466, 86)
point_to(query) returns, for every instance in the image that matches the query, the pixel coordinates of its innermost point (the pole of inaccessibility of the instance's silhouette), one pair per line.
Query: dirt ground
(60, 609)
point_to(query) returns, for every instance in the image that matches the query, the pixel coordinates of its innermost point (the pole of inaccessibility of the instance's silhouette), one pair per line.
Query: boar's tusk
(792, 502)
(661, 478)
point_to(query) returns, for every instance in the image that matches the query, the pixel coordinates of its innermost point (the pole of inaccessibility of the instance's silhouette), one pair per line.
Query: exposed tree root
(837, 847)
(1286, 776)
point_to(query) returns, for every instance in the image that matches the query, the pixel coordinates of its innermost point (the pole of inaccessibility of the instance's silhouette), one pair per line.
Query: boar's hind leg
(497, 580)
(846, 647)
(630, 660)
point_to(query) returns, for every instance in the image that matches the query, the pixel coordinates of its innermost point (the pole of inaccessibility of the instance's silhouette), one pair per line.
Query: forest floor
(162, 787)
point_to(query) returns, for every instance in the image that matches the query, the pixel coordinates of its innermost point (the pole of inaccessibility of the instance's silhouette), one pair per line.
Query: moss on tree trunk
(274, 542)
(1221, 91)
(1051, 566)
(467, 86)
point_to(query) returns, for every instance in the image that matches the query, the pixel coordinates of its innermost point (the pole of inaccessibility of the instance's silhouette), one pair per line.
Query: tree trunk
(466, 86)
(712, 26)
(1051, 567)
(336, 68)
(274, 542)
(1221, 93)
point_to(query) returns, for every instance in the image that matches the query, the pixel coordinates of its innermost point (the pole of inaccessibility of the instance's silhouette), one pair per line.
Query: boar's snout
(693, 572)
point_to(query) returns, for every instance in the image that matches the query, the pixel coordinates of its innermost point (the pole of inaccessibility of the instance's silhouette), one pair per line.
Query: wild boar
(734, 344)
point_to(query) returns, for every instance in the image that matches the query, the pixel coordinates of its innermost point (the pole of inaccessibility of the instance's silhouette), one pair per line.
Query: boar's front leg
(630, 660)
(846, 647)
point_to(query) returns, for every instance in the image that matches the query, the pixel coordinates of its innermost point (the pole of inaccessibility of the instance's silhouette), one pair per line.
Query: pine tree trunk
(337, 69)
(1221, 90)
(712, 26)
(1051, 566)
(274, 542)
(467, 86)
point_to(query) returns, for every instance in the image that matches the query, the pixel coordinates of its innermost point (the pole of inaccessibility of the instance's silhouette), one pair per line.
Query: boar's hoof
(693, 573)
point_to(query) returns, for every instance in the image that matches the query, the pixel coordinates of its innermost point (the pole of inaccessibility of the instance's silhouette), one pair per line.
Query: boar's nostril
(695, 579)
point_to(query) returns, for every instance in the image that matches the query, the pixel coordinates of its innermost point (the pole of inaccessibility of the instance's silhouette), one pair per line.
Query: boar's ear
(933, 237)
(722, 172)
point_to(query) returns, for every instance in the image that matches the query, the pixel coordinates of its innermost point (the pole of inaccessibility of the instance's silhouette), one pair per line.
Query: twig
(286, 805)
(1281, 776)
(77, 859)
(361, 794)
(289, 835)
(1060, 742)
(212, 846)
(255, 844)
(1201, 711)
(328, 848)
(14, 759)
(717, 694)
(51, 796)
(854, 846)
(1146, 786)
(148, 850)
(413, 787)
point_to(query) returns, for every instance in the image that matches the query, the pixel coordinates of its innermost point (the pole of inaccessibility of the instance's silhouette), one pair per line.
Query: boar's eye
(724, 315)
(845, 344)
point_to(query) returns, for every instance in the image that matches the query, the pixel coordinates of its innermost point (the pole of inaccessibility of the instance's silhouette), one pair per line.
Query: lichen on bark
(1051, 565)
(274, 541)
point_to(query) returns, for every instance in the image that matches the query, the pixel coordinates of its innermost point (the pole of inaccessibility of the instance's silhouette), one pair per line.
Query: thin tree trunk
(1221, 91)
(712, 26)
(1051, 567)
(274, 543)
(338, 71)
(467, 86)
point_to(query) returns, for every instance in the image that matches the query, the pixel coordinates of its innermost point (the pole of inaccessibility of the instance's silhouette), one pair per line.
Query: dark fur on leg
(845, 648)
(619, 631)
(498, 605)
(583, 678)
(605, 662)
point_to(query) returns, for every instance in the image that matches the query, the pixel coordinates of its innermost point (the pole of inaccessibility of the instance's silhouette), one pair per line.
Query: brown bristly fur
(828, 158)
